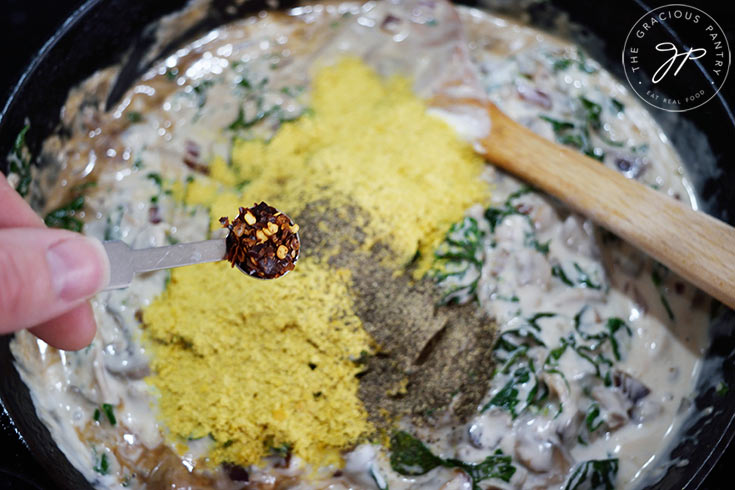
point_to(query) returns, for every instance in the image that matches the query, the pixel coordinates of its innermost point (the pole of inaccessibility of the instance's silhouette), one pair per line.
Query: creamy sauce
(534, 257)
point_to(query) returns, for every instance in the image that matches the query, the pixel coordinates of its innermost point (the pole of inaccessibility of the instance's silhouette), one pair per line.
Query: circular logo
(676, 57)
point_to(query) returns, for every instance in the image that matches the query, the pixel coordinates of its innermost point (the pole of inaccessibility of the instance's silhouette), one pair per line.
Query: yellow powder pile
(251, 361)
(255, 362)
(369, 143)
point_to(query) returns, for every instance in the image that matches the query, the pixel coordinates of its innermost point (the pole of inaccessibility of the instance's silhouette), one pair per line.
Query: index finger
(14, 211)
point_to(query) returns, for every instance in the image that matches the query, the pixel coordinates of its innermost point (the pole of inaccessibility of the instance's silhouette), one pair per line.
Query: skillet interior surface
(86, 43)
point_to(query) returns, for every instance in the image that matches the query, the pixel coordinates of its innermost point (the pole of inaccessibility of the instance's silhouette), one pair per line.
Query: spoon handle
(125, 262)
(698, 247)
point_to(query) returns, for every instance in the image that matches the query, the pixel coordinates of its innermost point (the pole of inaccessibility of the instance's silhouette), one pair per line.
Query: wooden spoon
(698, 247)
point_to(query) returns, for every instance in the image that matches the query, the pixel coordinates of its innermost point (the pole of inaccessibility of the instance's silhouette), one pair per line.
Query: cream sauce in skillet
(599, 345)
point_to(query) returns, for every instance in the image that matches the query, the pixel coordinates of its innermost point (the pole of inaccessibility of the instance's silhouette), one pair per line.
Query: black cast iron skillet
(103, 32)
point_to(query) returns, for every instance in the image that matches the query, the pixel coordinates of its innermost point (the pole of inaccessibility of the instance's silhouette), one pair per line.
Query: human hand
(46, 276)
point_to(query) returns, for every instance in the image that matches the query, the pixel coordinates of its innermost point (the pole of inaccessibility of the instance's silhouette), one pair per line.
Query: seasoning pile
(262, 242)
(340, 348)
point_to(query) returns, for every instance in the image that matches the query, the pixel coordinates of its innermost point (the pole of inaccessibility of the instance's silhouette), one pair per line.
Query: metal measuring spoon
(125, 262)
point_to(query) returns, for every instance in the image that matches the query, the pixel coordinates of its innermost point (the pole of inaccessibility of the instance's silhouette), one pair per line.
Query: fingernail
(79, 267)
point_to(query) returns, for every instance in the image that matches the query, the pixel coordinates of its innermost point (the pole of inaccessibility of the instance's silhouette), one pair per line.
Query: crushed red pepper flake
(262, 242)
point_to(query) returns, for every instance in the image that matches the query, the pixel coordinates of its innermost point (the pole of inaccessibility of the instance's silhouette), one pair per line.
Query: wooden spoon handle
(697, 246)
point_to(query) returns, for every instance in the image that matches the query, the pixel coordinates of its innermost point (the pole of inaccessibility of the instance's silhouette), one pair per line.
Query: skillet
(104, 32)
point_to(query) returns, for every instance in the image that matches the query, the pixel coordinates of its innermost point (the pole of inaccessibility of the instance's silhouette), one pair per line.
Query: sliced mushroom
(614, 404)
(633, 389)
(459, 481)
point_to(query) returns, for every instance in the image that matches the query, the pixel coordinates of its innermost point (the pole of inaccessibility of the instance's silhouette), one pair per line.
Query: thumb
(45, 273)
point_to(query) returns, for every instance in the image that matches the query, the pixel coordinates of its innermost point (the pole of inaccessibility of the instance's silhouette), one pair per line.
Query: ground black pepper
(430, 360)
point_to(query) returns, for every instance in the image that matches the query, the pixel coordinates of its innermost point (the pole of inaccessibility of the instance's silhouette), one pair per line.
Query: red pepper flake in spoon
(263, 242)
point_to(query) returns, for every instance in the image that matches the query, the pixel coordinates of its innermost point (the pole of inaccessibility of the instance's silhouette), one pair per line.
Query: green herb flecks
(378, 478)
(294, 91)
(658, 275)
(594, 475)
(562, 64)
(134, 116)
(109, 412)
(410, 457)
(102, 466)
(200, 91)
(20, 162)
(243, 122)
(582, 280)
(459, 261)
(576, 135)
(282, 450)
(590, 345)
(156, 178)
(495, 215)
(617, 106)
(511, 396)
(172, 73)
(722, 388)
(66, 216)
(113, 224)
(581, 62)
(592, 419)
(592, 111)
(593, 117)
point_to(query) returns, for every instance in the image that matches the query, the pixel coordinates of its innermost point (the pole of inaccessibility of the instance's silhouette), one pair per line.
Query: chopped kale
(533, 320)
(558, 272)
(458, 255)
(594, 475)
(617, 106)
(592, 419)
(531, 241)
(582, 64)
(592, 111)
(245, 83)
(496, 465)
(463, 242)
(613, 325)
(495, 216)
(722, 388)
(156, 178)
(172, 73)
(134, 116)
(102, 466)
(20, 162)
(378, 478)
(583, 279)
(658, 274)
(65, 216)
(562, 64)
(294, 91)
(242, 122)
(508, 397)
(283, 450)
(109, 413)
(200, 90)
(575, 135)
(96, 415)
(112, 225)
(410, 457)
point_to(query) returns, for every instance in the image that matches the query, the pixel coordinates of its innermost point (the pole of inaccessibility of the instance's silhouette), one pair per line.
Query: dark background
(26, 24)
